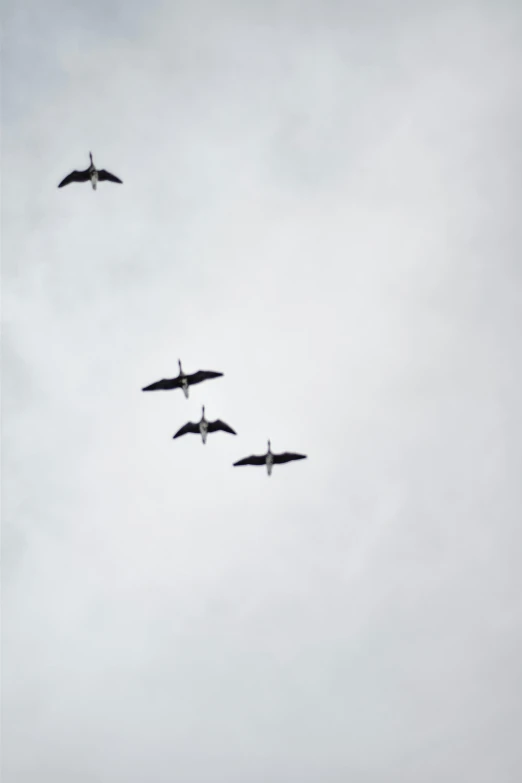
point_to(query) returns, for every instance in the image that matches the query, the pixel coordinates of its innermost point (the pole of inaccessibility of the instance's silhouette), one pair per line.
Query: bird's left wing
(287, 456)
(214, 426)
(106, 175)
(202, 375)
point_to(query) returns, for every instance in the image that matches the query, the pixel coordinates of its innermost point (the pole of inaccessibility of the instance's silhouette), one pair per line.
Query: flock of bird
(183, 381)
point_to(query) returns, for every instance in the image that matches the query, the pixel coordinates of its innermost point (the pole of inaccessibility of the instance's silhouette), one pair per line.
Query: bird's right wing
(75, 176)
(253, 460)
(189, 427)
(166, 383)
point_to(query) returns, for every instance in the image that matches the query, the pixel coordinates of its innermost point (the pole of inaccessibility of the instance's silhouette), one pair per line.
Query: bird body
(269, 459)
(91, 174)
(183, 381)
(203, 427)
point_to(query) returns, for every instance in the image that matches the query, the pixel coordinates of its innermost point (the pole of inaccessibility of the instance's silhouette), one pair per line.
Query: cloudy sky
(321, 199)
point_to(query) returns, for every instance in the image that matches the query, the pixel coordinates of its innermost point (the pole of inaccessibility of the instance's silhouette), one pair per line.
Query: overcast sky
(321, 200)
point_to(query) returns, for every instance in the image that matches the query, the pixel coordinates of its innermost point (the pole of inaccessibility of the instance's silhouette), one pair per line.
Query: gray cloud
(324, 206)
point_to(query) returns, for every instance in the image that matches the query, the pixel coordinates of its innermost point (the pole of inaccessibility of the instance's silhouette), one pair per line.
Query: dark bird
(183, 381)
(92, 173)
(269, 459)
(203, 427)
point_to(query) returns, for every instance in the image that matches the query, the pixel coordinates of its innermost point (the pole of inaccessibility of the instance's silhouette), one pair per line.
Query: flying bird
(203, 427)
(183, 381)
(269, 459)
(92, 173)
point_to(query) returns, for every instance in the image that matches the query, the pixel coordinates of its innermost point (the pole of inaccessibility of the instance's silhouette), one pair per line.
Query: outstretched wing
(202, 375)
(189, 427)
(253, 460)
(75, 176)
(106, 175)
(287, 456)
(166, 383)
(214, 426)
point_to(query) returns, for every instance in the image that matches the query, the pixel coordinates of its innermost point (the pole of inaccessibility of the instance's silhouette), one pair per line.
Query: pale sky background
(321, 200)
